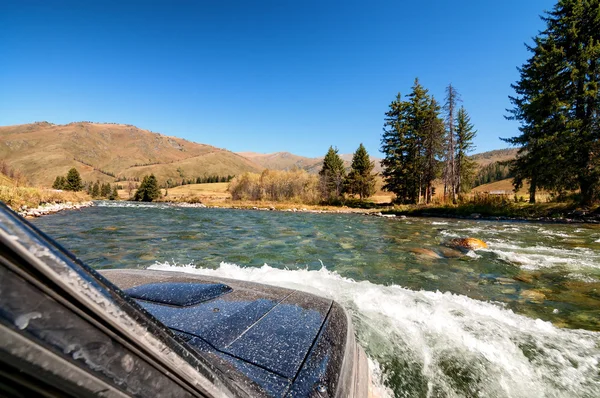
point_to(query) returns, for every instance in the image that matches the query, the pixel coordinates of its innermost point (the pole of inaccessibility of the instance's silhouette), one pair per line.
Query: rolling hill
(498, 155)
(104, 151)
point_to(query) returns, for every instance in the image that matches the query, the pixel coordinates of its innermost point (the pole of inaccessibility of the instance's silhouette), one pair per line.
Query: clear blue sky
(260, 76)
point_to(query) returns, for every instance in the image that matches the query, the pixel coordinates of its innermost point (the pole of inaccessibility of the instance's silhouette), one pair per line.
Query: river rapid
(518, 319)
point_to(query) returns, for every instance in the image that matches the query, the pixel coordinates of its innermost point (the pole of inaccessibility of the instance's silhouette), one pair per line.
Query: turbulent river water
(518, 319)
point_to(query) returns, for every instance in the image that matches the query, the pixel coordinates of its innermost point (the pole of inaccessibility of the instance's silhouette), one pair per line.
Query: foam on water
(138, 205)
(445, 345)
(544, 257)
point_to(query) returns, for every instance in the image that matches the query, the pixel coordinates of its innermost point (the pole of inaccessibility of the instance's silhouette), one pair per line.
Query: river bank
(51, 208)
(539, 212)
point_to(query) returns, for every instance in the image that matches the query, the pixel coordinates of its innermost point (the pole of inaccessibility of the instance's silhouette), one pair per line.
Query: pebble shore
(50, 208)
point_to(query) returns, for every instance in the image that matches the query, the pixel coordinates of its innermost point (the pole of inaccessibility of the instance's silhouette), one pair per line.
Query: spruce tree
(114, 195)
(58, 182)
(148, 190)
(394, 143)
(465, 167)
(557, 103)
(73, 181)
(432, 147)
(409, 143)
(450, 175)
(96, 190)
(332, 176)
(105, 190)
(361, 180)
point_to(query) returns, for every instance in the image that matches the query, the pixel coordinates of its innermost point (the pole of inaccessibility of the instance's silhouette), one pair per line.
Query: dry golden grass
(193, 192)
(5, 181)
(17, 197)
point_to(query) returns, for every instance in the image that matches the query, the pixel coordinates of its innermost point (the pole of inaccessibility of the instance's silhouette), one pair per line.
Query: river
(518, 319)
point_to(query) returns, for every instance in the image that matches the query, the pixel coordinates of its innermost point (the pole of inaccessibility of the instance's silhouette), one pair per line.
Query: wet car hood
(273, 329)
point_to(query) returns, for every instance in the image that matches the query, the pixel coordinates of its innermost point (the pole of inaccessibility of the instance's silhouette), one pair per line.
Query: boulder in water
(533, 296)
(467, 243)
(450, 253)
(419, 251)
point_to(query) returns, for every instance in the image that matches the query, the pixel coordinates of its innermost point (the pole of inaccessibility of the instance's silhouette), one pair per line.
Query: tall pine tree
(332, 176)
(394, 143)
(148, 190)
(433, 135)
(452, 98)
(410, 144)
(465, 167)
(73, 181)
(557, 103)
(361, 180)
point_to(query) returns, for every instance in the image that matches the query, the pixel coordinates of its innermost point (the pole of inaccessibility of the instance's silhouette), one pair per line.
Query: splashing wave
(440, 344)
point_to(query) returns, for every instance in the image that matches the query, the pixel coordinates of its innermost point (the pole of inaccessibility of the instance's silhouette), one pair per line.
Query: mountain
(286, 161)
(105, 151)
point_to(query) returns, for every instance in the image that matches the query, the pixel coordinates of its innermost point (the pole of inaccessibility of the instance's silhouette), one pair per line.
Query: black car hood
(273, 328)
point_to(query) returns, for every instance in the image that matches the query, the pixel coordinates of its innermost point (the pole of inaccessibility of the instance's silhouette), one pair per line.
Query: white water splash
(442, 344)
(137, 205)
(544, 257)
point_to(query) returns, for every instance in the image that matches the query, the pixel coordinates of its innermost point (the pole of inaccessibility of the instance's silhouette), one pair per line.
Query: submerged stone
(533, 296)
(419, 251)
(467, 243)
(450, 253)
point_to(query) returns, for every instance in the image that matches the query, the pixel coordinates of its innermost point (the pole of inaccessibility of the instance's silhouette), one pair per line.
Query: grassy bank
(18, 197)
(538, 211)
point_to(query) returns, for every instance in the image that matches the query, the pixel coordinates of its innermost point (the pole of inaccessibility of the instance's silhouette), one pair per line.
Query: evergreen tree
(432, 147)
(465, 167)
(59, 182)
(450, 175)
(419, 102)
(361, 180)
(114, 195)
(96, 190)
(73, 181)
(148, 190)
(332, 175)
(393, 146)
(410, 144)
(557, 103)
(105, 190)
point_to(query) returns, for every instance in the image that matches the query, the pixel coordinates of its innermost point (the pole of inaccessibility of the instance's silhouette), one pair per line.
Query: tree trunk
(587, 191)
(532, 189)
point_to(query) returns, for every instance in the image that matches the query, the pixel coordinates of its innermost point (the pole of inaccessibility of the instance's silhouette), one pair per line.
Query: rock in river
(424, 252)
(467, 243)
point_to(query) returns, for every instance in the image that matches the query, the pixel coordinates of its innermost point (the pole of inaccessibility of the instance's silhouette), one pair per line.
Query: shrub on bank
(297, 186)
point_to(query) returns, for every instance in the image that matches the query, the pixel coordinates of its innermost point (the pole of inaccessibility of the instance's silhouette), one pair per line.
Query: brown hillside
(498, 155)
(281, 160)
(43, 150)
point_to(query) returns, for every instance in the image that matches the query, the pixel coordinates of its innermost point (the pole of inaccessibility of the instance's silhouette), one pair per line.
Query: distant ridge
(497, 155)
(107, 151)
